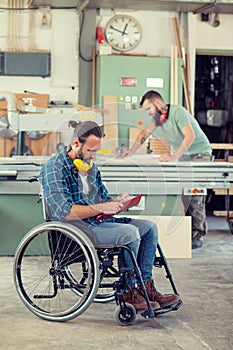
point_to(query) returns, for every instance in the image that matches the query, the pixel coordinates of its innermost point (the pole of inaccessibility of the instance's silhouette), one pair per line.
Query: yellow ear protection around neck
(81, 165)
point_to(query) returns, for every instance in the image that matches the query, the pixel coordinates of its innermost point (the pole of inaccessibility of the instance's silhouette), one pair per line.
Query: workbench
(161, 185)
(226, 148)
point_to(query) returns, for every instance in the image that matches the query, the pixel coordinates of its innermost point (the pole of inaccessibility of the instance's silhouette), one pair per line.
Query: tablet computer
(132, 202)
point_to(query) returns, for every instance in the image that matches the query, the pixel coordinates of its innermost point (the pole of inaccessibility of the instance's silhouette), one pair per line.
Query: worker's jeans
(195, 205)
(141, 236)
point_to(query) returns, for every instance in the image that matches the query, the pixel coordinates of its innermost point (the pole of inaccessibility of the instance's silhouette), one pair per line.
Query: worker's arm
(189, 137)
(140, 139)
(79, 212)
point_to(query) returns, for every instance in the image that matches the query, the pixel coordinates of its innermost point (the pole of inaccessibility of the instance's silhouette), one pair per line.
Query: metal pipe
(11, 105)
(10, 99)
(205, 7)
(20, 143)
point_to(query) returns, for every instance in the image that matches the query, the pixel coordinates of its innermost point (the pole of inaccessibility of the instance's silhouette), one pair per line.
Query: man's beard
(81, 156)
(160, 115)
(157, 118)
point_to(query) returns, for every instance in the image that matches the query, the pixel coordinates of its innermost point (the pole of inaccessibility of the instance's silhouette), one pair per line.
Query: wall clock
(123, 32)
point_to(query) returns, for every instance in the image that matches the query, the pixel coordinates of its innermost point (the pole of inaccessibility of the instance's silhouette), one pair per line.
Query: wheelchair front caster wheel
(125, 316)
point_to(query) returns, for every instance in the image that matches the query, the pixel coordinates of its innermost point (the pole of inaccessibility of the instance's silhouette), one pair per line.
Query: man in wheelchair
(74, 192)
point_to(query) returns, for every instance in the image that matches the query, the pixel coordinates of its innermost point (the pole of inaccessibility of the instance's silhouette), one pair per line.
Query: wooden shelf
(222, 213)
(226, 147)
(222, 191)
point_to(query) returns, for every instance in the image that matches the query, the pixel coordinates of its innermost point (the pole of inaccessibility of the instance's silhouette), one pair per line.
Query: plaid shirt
(62, 186)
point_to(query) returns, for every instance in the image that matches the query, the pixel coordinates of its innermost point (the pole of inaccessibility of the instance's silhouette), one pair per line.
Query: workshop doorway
(214, 108)
(214, 96)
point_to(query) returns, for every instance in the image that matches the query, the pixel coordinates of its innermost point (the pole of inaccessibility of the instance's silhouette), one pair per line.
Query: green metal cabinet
(110, 69)
(19, 213)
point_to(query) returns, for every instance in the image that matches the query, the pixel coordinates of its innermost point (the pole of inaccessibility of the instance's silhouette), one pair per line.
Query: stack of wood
(133, 133)
(159, 145)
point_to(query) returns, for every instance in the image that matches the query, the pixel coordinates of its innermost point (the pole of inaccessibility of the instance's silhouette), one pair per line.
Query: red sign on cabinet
(128, 82)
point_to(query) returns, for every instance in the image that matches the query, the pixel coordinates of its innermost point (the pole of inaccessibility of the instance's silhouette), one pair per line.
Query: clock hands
(117, 30)
(120, 31)
(123, 33)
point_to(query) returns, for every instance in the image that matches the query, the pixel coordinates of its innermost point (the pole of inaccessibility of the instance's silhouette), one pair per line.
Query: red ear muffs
(163, 118)
(80, 165)
(160, 118)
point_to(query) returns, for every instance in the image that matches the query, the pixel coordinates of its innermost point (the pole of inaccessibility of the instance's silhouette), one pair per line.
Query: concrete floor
(204, 322)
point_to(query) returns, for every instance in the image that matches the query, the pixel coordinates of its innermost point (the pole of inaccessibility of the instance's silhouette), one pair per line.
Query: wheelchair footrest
(148, 313)
(168, 308)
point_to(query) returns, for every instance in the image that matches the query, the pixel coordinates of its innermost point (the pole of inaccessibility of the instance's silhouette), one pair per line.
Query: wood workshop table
(226, 147)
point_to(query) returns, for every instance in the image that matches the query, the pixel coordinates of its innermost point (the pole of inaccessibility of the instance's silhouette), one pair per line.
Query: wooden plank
(226, 147)
(160, 145)
(39, 100)
(184, 72)
(110, 103)
(172, 75)
(174, 234)
(175, 83)
(6, 146)
(222, 213)
(186, 93)
(222, 146)
(187, 70)
(45, 146)
(93, 74)
(223, 191)
(177, 35)
(133, 133)
(84, 108)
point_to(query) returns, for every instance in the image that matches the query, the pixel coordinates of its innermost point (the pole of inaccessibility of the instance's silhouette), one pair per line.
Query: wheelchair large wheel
(41, 263)
(105, 292)
(109, 273)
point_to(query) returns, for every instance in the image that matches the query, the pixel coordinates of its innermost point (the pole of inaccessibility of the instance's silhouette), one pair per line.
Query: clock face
(123, 32)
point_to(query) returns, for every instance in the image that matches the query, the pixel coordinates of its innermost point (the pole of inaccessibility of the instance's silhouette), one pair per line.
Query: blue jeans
(141, 236)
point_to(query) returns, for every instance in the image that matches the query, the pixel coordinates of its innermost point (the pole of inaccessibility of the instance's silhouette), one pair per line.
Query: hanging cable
(80, 39)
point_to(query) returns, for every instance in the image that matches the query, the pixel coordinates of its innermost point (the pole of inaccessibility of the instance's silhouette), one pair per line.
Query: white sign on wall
(154, 82)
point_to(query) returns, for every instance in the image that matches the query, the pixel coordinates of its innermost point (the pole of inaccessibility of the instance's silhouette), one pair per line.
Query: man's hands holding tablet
(123, 202)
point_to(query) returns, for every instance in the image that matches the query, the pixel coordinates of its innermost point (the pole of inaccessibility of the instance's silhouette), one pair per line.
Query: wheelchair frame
(59, 272)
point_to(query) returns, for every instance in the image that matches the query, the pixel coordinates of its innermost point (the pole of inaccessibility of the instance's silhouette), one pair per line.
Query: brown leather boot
(137, 300)
(163, 299)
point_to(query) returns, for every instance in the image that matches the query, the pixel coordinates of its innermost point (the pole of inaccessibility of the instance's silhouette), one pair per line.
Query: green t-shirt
(178, 118)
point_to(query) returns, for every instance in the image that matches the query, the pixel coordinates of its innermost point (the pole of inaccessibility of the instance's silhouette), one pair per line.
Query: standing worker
(190, 143)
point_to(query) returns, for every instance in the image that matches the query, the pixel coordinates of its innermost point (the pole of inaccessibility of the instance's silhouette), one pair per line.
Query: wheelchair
(59, 271)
